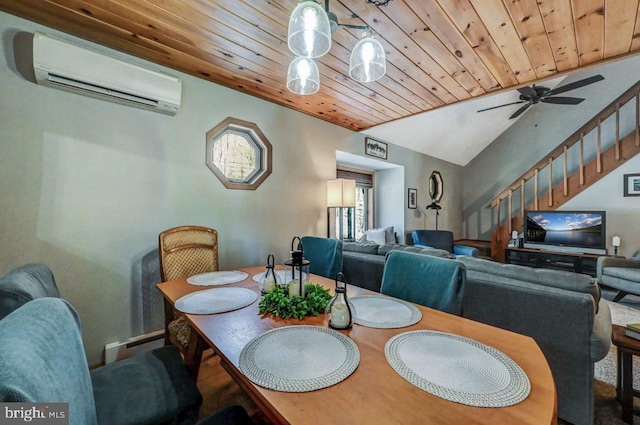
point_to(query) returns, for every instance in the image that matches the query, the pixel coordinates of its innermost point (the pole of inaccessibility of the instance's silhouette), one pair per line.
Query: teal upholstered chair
(441, 239)
(24, 284)
(422, 279)
(42, 359)
(324, 255)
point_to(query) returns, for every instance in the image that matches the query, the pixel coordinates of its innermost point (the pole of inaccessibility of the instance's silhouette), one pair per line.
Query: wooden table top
(374, 393)
(623, 342)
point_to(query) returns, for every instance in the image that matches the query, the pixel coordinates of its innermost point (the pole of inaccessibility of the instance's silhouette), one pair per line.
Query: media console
(568, 261)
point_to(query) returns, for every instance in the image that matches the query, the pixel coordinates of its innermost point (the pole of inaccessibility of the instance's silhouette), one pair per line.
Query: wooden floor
(219, 390)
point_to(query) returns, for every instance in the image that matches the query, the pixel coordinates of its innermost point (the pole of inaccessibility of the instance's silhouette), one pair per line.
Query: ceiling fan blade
(500, 106)
(562, 100)
(527, 91)
(520, 111)
(575, 85)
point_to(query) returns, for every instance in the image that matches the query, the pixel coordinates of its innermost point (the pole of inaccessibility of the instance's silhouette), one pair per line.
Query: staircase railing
(579, 169)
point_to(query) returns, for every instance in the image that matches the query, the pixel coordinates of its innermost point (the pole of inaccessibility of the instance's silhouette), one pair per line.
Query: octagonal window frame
(258, 142)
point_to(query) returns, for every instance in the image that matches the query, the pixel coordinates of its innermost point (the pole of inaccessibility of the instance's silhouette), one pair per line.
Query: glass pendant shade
(309, 30)
(367, 61)
(303, 76)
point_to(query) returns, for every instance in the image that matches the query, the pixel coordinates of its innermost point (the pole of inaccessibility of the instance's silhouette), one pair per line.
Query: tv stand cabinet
(578, 263)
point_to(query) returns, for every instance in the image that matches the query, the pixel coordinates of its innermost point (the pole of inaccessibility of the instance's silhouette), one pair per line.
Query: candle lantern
(269, 280)
(297, 272)
(340, 312)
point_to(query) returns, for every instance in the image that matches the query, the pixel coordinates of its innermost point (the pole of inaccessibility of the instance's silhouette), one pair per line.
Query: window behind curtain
(351, 223)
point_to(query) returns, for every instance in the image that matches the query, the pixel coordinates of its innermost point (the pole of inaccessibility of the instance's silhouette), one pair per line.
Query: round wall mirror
(436, 187)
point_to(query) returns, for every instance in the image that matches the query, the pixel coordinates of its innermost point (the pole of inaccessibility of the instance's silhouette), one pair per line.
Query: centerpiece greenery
(278, 302)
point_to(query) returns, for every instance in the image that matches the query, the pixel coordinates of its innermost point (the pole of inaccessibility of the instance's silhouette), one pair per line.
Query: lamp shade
(303, 76)
(341, 193)
(367, 61)
(309, 30)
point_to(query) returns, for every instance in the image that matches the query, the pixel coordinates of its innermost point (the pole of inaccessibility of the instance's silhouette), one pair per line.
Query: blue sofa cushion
(422, 279)
(153, 387)
(42, 358)
(24, 284)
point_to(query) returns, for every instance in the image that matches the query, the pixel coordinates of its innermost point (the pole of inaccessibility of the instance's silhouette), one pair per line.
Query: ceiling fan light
(309, 30)
(367, 62)
(303, 76)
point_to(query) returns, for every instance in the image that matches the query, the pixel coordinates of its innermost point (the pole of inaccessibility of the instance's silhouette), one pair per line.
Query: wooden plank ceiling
(439, 52)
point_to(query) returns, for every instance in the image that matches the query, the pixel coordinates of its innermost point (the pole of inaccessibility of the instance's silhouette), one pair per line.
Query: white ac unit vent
(63, 65)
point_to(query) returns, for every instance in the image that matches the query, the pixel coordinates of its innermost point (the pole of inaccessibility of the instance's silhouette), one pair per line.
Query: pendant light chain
(378, 2)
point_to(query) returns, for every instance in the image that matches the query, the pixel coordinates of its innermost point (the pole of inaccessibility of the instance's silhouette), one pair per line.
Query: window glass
(238, 154)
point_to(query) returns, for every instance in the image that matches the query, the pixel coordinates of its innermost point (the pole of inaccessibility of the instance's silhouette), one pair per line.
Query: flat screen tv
(581, 232)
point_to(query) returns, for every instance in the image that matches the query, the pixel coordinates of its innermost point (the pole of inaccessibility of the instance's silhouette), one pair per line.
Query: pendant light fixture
(367, 62)
(309, 36)
(309, 31)
(303, 76)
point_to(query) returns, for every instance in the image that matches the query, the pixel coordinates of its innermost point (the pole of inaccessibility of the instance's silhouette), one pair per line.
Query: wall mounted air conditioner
(63, 65)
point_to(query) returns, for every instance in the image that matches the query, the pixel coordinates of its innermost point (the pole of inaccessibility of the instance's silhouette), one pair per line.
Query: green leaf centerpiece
(278, 302)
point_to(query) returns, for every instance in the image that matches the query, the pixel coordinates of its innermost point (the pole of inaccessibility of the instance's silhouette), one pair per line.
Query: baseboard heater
(122, 349)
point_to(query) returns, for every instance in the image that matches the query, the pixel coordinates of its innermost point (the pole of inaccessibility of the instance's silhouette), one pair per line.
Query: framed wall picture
(375, 148)
(412, 202)
(632, 185)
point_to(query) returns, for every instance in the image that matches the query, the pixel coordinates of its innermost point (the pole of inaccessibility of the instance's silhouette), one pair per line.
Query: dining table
(374, 393)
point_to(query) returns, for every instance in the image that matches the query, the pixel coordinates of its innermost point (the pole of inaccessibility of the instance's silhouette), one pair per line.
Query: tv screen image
(581, 231)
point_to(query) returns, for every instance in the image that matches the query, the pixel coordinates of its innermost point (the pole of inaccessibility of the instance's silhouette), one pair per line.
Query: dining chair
(186, 251)
(422, 279)
(324, 255)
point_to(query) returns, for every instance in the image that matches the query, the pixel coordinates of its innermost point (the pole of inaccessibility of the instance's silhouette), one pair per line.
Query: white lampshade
(303, 76)
(309, 30)
(341, 193)
(367, 61)
(615, 241)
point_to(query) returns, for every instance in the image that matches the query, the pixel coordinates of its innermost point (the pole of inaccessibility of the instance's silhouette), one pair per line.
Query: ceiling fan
(534, 94)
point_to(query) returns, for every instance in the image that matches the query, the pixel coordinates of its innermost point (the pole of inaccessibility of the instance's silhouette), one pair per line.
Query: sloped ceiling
(439, 52)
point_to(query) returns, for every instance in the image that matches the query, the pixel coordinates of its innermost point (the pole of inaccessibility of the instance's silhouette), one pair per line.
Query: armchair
(622, 274)
(441, 239)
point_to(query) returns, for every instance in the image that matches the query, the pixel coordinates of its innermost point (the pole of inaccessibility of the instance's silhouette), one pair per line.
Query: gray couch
(363, 263)
(561, 311)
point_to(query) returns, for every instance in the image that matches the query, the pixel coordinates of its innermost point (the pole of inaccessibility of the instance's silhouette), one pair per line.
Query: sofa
(363, 263)
(562, 311)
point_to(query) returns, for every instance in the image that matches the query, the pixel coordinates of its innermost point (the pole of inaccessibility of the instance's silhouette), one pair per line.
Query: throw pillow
(376, 236)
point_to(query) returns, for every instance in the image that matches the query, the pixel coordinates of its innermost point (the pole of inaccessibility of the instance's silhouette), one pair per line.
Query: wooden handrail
(578, 135)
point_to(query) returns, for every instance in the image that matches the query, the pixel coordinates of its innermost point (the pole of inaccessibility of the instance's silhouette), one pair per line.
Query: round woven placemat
(375, 311)
(457, 369)
(217, 278)
(299, 358)
(217, 300)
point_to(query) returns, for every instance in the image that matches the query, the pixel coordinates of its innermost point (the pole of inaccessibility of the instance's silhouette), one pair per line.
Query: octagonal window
(238, 154)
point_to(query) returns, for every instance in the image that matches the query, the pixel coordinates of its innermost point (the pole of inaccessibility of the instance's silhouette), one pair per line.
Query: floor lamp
(434, 206)
(341, 193)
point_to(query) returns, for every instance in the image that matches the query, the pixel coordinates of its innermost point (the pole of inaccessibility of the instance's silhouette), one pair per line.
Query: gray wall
(534, 135)
(87, 186)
